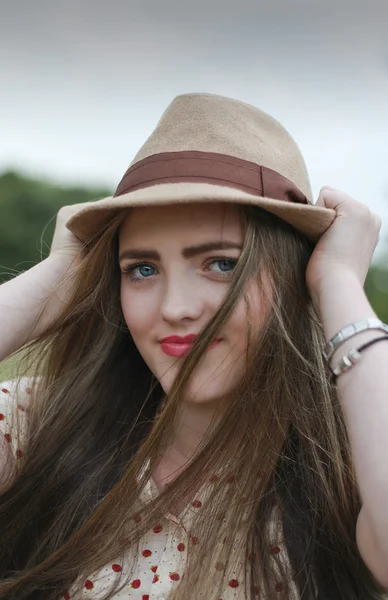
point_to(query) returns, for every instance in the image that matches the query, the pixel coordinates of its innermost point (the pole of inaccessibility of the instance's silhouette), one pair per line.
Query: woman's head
(177, 264)
(94, 419)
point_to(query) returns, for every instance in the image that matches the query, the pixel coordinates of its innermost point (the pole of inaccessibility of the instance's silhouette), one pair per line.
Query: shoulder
(14, 404)
(14, 392)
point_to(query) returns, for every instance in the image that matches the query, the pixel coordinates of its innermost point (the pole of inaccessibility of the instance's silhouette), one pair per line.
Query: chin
(201, 390)
(206, 393)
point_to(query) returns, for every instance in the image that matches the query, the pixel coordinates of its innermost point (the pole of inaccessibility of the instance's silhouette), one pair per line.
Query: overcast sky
(83, 83)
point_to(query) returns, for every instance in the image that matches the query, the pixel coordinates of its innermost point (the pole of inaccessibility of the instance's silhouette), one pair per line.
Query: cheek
(249, 315)
(138, 309)
(238, 323)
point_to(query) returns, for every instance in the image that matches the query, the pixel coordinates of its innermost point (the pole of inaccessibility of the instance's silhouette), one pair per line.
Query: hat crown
(210, 148)
(213, 123)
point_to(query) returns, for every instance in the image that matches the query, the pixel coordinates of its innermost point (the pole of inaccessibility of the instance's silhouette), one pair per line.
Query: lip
(177, 339)
(178, 346)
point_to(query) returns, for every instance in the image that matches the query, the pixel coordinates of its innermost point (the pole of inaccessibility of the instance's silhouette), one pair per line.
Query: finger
(323, 196)
(332, 198)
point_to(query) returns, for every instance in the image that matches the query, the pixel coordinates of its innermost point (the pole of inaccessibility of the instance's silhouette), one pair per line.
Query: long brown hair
(98, 415)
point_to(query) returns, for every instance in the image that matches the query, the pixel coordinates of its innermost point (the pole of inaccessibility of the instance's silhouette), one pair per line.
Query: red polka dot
(181, 547)
(174, 576)
(135, 584)
(19, 453)
(233, 583)
(7, 437)
(66, 596)
(219, 566)
(5, 391)
(279, 587)
(155, 579)
(194, 539)
(197, 504)
(145, 597)
(137, 518)
(117, 568)
(28, 390)
(89, 584)
(154, 568)
(21, 407)
(146, 553)
(2, 417)
(157, 529)
(274, 550)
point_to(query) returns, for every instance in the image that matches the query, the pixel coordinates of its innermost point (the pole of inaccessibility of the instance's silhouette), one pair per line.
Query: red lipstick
(176, 345)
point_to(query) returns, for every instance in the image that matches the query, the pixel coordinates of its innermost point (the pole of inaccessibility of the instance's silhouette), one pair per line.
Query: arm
(22, 299)
(363, 394)
(335, 278)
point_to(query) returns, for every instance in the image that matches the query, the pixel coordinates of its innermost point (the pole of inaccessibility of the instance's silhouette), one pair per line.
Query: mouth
(179, 349)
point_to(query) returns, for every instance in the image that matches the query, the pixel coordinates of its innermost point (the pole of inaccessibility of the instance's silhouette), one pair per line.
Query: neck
(194, 421)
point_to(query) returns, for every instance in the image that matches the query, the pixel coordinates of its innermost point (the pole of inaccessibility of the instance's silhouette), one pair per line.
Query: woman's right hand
(65, 244)
(66, 254)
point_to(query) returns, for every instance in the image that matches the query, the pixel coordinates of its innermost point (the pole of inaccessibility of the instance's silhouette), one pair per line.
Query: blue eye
(225, 265)
(140, 271)
(146, 270)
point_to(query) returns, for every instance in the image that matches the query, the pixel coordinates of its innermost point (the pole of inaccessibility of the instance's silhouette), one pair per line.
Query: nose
(181, 300)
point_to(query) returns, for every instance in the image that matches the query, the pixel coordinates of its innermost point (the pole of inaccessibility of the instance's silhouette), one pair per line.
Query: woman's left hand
(347, 246)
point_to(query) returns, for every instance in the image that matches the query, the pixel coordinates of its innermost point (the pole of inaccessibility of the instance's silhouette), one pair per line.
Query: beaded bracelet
(352, 357)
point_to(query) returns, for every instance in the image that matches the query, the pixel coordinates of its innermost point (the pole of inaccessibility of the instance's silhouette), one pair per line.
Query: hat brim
(310, 220)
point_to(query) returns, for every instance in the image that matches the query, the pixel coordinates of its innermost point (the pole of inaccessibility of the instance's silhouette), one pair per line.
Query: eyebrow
(189, 252)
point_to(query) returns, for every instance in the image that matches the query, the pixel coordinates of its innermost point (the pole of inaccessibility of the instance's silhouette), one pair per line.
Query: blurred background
(83, 84)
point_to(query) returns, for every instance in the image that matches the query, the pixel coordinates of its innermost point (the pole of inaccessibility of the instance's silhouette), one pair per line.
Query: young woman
(180, 433)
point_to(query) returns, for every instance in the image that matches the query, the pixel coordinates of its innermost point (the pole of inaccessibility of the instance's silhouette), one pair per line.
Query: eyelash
(129, 269)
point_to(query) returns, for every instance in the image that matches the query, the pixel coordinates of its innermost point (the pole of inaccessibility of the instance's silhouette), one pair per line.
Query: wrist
(61, 263)
(342, 301)
(336, 285)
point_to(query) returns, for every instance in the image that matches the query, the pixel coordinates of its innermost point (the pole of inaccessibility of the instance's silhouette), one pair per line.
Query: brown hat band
(209, 167)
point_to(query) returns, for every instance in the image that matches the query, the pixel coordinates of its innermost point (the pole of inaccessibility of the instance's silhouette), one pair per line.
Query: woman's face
(176, 265)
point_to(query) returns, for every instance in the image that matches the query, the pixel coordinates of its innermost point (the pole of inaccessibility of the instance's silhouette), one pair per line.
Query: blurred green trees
(376, 288)
(28, 208)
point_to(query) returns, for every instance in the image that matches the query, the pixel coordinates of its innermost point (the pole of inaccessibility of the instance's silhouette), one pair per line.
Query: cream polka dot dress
(160, 562)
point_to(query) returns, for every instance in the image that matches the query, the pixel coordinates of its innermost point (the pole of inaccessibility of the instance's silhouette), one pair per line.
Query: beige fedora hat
(209, 148)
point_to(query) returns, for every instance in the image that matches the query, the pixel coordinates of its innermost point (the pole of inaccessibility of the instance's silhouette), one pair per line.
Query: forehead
(188, 222)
